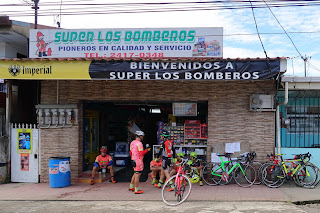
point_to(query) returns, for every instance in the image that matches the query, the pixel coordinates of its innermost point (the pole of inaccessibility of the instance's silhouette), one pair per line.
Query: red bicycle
(181, 185)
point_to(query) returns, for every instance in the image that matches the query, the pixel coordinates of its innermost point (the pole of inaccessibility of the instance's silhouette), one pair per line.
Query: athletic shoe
(92, 181)
(153, 181)
(158, 185)
(112, 180)
(139, 192)
(131, 189)
(171, 189)
(201, 183)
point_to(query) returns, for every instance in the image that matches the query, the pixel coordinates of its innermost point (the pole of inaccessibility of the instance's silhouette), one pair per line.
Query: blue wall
(305, 138)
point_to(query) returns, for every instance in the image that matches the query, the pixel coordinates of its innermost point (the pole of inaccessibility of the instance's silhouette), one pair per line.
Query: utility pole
(305, 59)
(35, 7)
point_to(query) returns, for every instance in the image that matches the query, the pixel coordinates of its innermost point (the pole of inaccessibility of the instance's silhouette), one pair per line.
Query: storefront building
(224, 105)
(206, 102)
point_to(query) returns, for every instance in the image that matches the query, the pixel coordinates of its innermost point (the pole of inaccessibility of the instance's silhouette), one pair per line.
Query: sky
(240, 38)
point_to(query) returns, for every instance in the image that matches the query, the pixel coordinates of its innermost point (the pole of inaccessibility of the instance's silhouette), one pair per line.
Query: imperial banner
(142, 70)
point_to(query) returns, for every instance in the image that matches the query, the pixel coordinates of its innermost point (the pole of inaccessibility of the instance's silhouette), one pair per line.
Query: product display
(192, 129)
(192, 137)
(160, 130)
(176, 134)
(204, 131)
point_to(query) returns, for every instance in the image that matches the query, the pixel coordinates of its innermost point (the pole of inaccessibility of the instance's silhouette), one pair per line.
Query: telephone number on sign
(131, 55)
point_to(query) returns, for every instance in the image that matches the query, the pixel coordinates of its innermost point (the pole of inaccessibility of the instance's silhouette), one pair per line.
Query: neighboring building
(300, 117)
(13, 44)
(17, 98)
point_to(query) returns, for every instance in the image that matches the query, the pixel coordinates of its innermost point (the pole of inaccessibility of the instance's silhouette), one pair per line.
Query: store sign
(166, 70)
(147, 70)
(184, 109)
(77, 70)
(126, 43)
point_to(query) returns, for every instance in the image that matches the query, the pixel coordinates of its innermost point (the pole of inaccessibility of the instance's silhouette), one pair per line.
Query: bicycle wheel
(257, 166)
(306, 176)
(208, 177)
(317, 182)
(273, 175)
(263, 175)
(182, 189)
(246, 178)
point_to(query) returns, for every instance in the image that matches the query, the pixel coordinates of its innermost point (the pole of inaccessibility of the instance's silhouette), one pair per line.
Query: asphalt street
(153, 206)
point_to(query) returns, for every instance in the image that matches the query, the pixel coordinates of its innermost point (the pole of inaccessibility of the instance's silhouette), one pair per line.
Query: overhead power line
(283, 29)
(137, 7)
(305, 59)
(79, 2)
(264, 50)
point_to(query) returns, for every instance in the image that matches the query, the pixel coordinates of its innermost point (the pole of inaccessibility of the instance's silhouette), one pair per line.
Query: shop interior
(112, 124)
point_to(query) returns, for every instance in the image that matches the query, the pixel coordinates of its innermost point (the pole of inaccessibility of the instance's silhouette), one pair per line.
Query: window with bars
(303, 119)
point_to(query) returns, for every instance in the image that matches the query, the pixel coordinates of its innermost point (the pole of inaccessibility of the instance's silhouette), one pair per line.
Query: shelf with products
(186, 138)
(204, 131)
(194, 146)
(195, 141)
(192, 129)
(176, 134)
(185, 149)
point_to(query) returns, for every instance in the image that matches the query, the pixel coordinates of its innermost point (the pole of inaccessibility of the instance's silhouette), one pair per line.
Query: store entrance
(113, 124)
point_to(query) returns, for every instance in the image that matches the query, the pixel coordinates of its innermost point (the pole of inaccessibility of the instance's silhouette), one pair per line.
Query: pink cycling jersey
(136, 147)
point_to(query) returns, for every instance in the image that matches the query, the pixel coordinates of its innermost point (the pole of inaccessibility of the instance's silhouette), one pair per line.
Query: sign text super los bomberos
(126, 43)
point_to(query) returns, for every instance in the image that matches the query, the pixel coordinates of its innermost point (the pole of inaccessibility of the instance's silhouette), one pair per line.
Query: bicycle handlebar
(183, 162)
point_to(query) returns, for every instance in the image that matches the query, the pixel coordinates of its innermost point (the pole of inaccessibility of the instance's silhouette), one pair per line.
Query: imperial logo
(37, 71)
(14, 69)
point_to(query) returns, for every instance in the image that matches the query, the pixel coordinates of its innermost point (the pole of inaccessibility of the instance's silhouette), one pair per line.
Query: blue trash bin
(59, 172)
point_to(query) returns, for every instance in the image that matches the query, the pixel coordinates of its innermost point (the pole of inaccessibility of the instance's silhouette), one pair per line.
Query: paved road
(153, 206)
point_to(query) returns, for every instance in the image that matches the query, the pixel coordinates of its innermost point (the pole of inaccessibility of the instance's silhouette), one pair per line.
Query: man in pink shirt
(137, 153)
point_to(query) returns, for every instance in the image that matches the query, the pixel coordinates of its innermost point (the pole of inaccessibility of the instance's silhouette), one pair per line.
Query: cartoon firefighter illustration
(42, 45)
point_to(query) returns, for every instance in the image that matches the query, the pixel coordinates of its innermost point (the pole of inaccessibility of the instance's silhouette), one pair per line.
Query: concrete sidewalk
(119, 192)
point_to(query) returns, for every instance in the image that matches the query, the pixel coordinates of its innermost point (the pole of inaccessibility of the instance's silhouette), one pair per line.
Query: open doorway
(109, 124)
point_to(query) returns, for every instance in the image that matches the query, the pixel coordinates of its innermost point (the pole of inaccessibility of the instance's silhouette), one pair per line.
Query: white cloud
(234, 52)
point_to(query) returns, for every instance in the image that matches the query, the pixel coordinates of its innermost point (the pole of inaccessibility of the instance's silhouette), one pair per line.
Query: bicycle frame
(290, 172)
(180, 172)
(179, 180)
(223, 169)
(296, 169)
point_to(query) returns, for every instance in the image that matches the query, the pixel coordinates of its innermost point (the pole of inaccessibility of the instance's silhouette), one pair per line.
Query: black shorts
(100, 169)
(196, 164)
(166, 163)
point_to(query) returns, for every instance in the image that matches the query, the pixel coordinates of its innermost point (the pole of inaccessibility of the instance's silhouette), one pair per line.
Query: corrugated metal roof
(140, 59)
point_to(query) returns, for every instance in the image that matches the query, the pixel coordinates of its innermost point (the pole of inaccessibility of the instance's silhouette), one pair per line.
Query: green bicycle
(222, 174)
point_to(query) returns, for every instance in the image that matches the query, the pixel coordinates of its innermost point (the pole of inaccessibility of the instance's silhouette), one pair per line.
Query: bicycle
(299, 170)
(182, 187)
(249, 157)
(244, 175)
